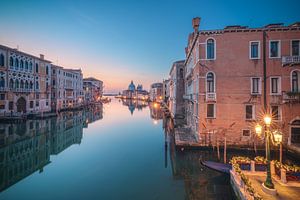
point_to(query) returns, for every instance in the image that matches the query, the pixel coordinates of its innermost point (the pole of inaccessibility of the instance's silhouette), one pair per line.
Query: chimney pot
(196, 23)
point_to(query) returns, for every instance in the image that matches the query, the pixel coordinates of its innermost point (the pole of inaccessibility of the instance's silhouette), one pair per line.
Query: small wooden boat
(220, 167)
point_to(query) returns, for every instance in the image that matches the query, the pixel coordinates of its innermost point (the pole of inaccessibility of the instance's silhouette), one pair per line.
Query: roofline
(16, 50)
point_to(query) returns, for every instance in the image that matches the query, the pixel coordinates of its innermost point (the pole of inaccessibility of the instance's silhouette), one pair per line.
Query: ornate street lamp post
(275, 138)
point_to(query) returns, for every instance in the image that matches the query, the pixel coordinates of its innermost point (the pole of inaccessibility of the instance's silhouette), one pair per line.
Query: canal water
(120, 150)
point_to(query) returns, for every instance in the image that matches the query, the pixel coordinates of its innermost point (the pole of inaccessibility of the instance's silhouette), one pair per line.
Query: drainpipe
(265, 69)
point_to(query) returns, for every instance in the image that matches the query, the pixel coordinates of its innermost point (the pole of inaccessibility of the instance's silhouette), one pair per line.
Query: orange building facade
(235, 75)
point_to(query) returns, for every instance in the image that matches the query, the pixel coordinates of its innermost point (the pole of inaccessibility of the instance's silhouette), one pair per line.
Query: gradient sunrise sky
(118, 41)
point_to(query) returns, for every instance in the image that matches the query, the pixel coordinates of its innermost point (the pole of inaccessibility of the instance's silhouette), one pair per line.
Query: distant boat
(220, 167)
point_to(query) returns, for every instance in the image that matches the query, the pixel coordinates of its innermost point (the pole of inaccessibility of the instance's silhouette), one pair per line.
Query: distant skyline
(119, 41)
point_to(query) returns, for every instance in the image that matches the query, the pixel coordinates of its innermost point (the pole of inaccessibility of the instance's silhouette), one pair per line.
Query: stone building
(166, 90)
(24, 82)
(67, 88)
(92, 89)
(176, 89)
(236, 74)
(156, 92)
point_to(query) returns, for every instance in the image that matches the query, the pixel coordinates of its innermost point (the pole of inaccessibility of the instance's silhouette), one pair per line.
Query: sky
(122, 40)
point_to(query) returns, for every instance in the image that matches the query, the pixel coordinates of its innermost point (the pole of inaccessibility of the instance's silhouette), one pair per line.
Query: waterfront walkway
(288, 191)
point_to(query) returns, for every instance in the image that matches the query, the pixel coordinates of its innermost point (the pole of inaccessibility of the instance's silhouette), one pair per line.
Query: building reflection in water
(200, 182)
(26, 147)
(133, 104)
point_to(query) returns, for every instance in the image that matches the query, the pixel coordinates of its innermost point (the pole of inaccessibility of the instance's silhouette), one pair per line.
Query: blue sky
(118, 41)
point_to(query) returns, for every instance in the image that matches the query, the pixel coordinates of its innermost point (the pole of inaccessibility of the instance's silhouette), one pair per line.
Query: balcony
(188, 97)
(290, 60)
(291, 97)
(276, 99)
(24, 90)
(210, 96)
(4, 89)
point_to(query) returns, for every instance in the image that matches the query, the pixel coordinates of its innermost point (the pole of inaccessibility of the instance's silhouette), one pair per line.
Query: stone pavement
(289, 191)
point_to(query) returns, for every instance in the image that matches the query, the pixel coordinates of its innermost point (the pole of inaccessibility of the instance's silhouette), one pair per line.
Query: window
(294, 81)
(17, 84)
(36, 68)
(11, 105)
(295, 47)
(275, 112)
(31, 104)
(26, 65)
(37, 96)
(255, 50)
(1, 60)
(2, 82)
(22, 65)
(246, 133)
(31, 85)
(17, 63)
(11, 83)
(2, 96)
(47, 70)
(210, 82)
(210, 111)
(37, 85)
(249, 112)
(255, 85)
(47, 103)
(275, 85)
(2, 107)
(37, 104)
(274, 49)
(26, 84)
(22, 84)
(295, 132)
(30, 66)
(11, 61)
(210, 49)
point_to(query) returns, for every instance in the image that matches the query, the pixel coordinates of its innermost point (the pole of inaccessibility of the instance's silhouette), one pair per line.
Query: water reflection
(134, 104)
(26, 147)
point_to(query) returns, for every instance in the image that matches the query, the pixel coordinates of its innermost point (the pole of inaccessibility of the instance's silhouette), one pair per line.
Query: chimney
(42, 56)
(196, 23)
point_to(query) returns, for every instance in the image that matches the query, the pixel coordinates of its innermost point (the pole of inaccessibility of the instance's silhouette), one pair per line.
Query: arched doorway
(295, 132)
(21, 105)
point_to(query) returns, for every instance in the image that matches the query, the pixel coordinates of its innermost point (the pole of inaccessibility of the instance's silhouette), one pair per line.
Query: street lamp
(275, 137)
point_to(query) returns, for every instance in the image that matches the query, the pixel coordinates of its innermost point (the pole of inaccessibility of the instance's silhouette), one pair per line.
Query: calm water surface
(116, 151)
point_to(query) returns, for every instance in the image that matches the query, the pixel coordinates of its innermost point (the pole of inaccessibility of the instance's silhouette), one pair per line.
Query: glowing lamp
(267, 120)
(258, 129)
(277, 136)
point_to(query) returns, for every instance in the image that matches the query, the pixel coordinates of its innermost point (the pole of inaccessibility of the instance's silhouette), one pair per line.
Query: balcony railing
(211, 96)
(188, 97)
(4, 89)
(291, 97)
(21, 90)
(286, 60)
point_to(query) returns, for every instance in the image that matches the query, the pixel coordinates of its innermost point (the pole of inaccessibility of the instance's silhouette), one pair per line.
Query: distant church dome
(139, 87)
(131, 86)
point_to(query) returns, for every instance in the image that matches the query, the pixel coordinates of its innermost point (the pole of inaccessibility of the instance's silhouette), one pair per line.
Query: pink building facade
(233, 75)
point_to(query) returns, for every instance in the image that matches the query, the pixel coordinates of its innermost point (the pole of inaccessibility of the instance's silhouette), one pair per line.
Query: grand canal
(120, 150)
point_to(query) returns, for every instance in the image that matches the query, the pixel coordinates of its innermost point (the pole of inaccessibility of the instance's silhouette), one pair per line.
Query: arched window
(36, 68)
(22, 65)
(2, 82)
(1, 60)
(210, 49)
(17, 63)
(47, 70)
(30, 66)
(22, 84)
(17, 83)
(295, 81)
(26, 84)
(26, 65)
(37, 85)
(11, 83)
(210, 82)
(31, 85)
(11, 62)
(181, 73)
